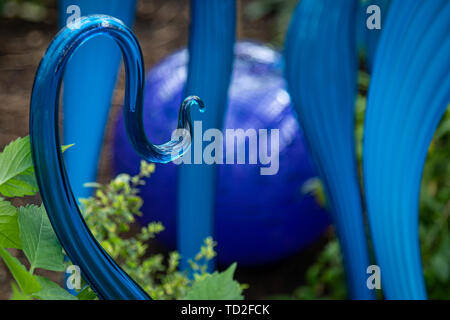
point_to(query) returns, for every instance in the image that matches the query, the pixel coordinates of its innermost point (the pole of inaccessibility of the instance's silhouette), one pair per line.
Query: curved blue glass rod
(105, 277)
(211, 44)
(409, 93)
(320, 57)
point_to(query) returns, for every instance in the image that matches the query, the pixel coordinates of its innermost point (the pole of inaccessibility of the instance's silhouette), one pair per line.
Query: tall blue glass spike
(321, 67)
(104, 276)
(409, 92)
(88, 87)
(211, 42)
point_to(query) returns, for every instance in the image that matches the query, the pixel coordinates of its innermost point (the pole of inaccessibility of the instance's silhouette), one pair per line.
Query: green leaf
(16, 169)
(64, 148)
(28, 283)
(51, 291)
(39, 241)
(17, 294)
(17, 178)
(86, 294)
(216, 286)
(9, 227)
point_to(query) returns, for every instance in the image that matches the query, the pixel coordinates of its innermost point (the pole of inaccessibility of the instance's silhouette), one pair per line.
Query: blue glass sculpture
(258, 219)
(211, 42)
(321, 66)
(408, 94)
(104, 276)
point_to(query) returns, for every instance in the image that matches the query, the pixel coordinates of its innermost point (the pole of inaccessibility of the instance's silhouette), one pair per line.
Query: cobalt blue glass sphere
(259, 218)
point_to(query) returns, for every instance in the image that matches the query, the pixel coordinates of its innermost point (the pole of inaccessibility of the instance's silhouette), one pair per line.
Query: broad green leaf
(17, 294)
(28, 283)
(217, 286)
(51, 291)
(39, 241)
(17, 177)
(9, 227)
(16, 169)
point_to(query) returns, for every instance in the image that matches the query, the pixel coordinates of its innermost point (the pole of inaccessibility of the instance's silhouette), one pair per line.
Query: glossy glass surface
(321, 67)
(107, 279)
(408, 95)
(211, 42)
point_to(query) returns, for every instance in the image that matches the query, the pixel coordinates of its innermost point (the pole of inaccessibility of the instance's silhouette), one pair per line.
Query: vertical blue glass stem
(88, 87)
(321, 67)
(104, 276)
(409, 93)
(211, 41)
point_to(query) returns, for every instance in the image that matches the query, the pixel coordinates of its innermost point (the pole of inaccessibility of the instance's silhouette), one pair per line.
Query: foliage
(26, 228)
(29, 10)
(39, 242)
(111, 215)
(217, 286)
(282, 11)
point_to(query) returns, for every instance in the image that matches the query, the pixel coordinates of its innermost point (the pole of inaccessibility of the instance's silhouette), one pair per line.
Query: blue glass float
(258, 219)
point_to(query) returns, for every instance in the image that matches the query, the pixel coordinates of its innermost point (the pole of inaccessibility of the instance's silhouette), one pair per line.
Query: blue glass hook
(409, 93)
(320, 57)
(105, 277)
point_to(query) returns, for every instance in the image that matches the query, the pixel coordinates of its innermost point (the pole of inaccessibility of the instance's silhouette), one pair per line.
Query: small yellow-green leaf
(86, 294)
(28, 283)
(17, 294)
(9, 227)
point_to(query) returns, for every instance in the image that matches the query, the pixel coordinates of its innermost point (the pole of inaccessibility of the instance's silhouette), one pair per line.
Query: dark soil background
(161, 27)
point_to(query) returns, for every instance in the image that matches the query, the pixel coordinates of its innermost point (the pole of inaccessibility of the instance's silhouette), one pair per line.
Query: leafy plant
(110, 213)
(29, 10)
(27, 228)
(216, 286)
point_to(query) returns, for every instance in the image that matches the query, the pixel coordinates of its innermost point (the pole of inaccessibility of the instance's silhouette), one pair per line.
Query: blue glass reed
(89, 83)
(321, 68)
(409, 93)
(211, 43)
